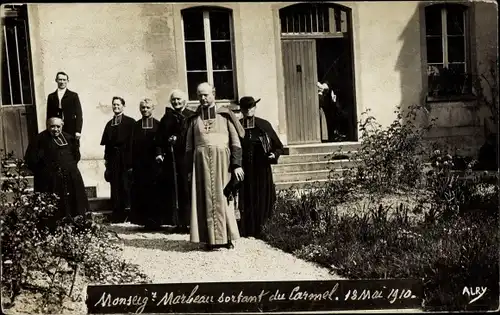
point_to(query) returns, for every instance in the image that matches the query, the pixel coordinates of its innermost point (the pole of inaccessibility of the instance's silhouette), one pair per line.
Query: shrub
(448, 236)
(447, 254)
(44, 256)
(392, 158)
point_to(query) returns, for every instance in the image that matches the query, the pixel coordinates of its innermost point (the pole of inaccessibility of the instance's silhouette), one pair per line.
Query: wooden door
(301, 96)
(17, 107)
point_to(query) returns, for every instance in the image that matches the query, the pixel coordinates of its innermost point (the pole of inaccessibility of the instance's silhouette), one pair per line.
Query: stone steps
(307, 165)
(310, 166)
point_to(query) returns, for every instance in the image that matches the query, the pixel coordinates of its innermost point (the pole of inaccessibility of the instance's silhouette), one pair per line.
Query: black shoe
(229, 245)
(208, 247)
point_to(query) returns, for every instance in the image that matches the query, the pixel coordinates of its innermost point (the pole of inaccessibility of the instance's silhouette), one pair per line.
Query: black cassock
(173, 123)
(116, 142)
(257, 192)
(54, 166)
(144, 172)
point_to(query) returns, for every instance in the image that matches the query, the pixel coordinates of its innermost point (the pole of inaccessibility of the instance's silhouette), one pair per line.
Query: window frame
(468, 69)
(205, 10)
(13, 15)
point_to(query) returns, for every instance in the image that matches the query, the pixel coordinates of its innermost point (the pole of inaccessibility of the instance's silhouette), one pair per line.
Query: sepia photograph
(249, 157)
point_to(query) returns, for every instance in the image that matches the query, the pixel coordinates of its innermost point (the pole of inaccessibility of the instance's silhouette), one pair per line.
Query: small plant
(446, 232)
(45, 255)
(392, 158)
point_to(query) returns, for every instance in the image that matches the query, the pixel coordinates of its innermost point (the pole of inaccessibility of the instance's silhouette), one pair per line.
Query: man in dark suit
(65, 104)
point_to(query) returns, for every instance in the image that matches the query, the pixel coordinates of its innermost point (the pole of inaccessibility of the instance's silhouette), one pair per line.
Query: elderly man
(170, 143)
(65, 104)
(141, 161)
(214, 154)
(53, 157)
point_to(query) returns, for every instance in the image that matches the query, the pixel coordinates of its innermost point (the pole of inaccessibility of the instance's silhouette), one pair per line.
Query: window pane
(457, 68)
(5, 79)
(459, 82)
(296, 23)
(455, 20)
(325, 20)
(193, 25)
(195, 56)
(24, 57)
(307, 20)
(462, 81)
(13, 62)
(224, 85)
(283, 24)
(434, 50)
(434, 81)
(219, 25)
(221, 56)
(194, 79)
(433, 20)
(456, 49)
(314, 13)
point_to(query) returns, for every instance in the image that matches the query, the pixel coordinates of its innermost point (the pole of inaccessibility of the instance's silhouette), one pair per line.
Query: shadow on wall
(159, 43)
(409, 63)
(459, 126)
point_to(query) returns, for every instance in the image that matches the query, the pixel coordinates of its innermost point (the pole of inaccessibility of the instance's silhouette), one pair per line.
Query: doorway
(17, 107)
(338, 116)
(317, 51)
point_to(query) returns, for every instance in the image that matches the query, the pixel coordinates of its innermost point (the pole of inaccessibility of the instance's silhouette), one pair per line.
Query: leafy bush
(44, 256)
(378, 243)
(447, 235)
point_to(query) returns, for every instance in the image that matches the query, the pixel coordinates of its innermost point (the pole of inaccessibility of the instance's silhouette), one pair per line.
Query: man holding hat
(261, 148)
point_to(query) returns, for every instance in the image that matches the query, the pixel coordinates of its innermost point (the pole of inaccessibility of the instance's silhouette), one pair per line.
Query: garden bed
(401, 211)
(392, 237)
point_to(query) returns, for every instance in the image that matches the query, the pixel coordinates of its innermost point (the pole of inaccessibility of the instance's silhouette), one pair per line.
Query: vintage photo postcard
(313, 157)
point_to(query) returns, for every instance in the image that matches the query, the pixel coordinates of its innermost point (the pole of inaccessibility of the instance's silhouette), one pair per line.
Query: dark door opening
(331, 115)
(338, 114)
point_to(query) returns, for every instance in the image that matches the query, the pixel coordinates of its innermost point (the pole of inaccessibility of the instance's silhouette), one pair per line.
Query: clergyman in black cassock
(261, 148)
(116, 142)
(171, 135)
(144, 210)
(53, 156)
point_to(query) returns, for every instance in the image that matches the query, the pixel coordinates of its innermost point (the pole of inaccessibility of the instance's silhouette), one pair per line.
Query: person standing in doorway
(261, 148)
(65, 104)
(213, 151)
(116, 142)
(143, 210)
(170, 141)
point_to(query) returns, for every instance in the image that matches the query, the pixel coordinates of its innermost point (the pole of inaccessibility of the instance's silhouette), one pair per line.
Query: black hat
(247, 102)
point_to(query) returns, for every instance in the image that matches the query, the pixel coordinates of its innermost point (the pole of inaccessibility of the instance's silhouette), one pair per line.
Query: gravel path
(171, 258)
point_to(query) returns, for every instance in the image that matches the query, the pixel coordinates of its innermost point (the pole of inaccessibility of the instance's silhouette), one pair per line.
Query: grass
(363, 235)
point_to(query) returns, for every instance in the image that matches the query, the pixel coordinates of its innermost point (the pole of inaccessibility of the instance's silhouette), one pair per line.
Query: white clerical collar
(60, 140)
(147, 122)
(117, 119)
(208, 113)
(249, 122)
(61, 91)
